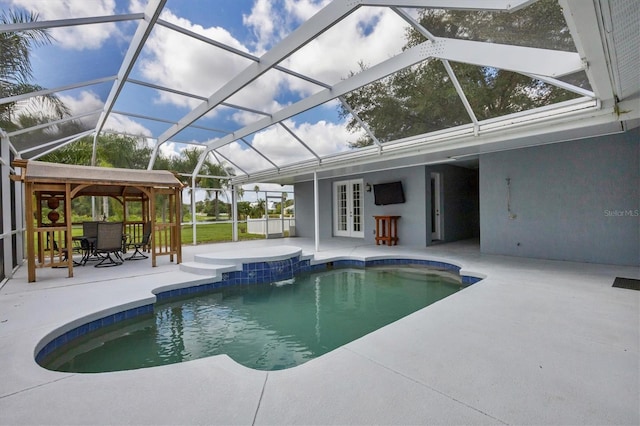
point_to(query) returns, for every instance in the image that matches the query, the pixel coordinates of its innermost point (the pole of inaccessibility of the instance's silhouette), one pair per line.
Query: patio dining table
(87, 245)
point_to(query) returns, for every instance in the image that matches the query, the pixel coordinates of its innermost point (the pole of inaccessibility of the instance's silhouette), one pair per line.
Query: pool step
(208, 269)
(214, 264)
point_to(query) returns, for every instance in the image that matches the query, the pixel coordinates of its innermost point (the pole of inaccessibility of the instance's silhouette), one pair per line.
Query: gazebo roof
(38, 171)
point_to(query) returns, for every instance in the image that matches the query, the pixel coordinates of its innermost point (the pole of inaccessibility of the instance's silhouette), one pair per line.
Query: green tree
(112, 150)
(259, 209)
(16, 72)
(187, 162)
(422, 98)
(127, 152)
(244, 209)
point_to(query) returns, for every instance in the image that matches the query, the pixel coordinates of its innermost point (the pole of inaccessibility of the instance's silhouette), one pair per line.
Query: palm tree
(187, 163)
(216, 184)
(15, 67)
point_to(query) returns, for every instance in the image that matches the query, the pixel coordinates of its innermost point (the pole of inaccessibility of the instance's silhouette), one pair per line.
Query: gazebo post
(69, 233)
(31, 251)
(178, 248)
(152, 214)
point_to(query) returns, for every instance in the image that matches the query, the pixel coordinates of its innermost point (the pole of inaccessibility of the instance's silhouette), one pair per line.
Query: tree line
(423, 99)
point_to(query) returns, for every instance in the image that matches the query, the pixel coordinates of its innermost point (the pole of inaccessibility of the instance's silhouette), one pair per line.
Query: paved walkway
(536, 342)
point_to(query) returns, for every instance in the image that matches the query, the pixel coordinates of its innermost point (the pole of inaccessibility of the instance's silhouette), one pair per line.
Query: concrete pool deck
(535, 342)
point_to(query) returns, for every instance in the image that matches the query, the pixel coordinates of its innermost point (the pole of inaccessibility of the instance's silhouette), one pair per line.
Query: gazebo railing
(52, 246)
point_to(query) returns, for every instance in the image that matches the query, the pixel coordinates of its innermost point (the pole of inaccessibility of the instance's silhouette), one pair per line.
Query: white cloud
(79, 36)
(123, 124)
(279, 146)
(304, 9)
(266, 25)
(176, 61)
(136, 6)
(88, 101)
(272, 20)
(171, 149)
(179, 62)
(369, 35)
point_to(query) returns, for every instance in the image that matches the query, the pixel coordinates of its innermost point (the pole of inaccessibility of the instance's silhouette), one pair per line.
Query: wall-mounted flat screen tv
(388, 193)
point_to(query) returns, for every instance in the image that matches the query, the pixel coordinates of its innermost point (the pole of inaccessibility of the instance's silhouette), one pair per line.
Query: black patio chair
(88, 241)
(109, 242)
(142, 244)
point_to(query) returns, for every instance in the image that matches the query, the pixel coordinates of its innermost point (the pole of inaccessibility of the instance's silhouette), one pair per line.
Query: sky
(170, 59)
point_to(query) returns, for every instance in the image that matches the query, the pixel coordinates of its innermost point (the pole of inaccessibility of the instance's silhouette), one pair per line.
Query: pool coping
(537, 341)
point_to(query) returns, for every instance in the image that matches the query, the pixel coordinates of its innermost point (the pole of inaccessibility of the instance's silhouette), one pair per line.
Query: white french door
(347, 209)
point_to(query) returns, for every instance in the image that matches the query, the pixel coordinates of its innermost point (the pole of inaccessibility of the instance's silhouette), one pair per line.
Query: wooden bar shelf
(387, 230)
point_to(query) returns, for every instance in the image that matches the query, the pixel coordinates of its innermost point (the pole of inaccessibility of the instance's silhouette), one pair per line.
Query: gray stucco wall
(305, 209)
(459, 197)
(575, 201)
(411, 226)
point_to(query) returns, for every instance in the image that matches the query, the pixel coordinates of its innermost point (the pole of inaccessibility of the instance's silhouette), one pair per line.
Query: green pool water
(265, 327)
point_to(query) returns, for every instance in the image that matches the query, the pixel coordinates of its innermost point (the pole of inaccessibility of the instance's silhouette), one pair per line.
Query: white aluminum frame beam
(191, 95)
(521, 59)
(300, 141)
(456, 83)
(164, 120)
(460, 92)
(583, 24)
(489, 5)
(238, 52)
(151, 14)
(216, 153)
(53, 123)
(58, 23)
(442, 49)
(60, 143)
(316, 25)
(5, 183)
(563, 85)
(407, 58)
(568, 115)
(45, 92)
(260, 153)
(362, 124)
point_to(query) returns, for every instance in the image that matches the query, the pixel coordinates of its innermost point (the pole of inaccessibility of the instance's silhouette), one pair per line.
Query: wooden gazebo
(49, 189)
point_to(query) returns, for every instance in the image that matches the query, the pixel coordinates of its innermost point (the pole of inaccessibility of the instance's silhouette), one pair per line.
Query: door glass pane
(357, 211)
(343, 208)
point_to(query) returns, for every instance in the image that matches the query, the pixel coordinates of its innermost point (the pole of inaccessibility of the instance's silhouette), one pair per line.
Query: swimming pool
(264, 326)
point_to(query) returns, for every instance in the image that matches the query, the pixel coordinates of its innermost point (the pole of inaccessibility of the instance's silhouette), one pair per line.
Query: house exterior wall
(305, 209)
(412, 223)
(411, 226)
(459, 195)
(577, 201)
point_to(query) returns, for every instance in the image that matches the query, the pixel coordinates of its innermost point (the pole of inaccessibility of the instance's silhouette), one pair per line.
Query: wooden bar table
(387, 230)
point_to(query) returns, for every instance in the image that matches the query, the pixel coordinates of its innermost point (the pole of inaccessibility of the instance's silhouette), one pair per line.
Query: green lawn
(216, 232)
(207, 233)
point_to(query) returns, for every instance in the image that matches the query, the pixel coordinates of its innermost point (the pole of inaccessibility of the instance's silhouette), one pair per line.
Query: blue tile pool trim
(92, 326)
(252, 273)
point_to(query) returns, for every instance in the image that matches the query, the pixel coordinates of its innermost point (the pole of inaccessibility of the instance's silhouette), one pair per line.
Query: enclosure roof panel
(272, 89)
